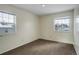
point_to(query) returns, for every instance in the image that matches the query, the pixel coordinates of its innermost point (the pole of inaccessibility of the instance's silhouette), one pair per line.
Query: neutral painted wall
(29, 26)
(76, 33)
(47, 28)
(27, 29)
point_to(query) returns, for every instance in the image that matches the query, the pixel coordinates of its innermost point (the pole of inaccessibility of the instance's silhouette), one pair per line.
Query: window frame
(64, 17)
(13, 19)
(10, 30)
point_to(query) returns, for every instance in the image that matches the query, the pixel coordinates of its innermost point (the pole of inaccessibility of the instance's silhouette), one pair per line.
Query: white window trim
(14, 23)
(10, 14)
(64, 17)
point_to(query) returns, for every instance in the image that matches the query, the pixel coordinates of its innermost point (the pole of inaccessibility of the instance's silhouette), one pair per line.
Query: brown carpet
(43, 47)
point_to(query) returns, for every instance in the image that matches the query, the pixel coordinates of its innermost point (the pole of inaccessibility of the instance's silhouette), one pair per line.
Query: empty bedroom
(39, 29)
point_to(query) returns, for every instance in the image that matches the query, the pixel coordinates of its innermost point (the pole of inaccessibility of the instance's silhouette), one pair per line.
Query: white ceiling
(48, 9)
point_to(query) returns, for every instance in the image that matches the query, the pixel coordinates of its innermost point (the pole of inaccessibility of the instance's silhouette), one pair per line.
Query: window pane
(0, 14)
(62, 24)
(1, 19)
(11, 16)
(5, 20)
(5, 15)
(11, 20)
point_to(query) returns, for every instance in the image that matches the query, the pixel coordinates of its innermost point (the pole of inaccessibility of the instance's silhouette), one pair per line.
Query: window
(7, 21)
(62, 24)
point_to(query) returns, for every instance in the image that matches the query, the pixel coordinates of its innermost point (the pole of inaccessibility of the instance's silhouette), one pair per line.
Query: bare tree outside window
(62, 24)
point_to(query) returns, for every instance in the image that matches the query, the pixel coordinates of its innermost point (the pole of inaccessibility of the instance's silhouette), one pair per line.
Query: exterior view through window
(7, 22)
(62, 24)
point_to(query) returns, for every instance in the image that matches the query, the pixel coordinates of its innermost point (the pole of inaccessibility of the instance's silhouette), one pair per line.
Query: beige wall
(31, 27)
(27, 29)
(47, 28)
